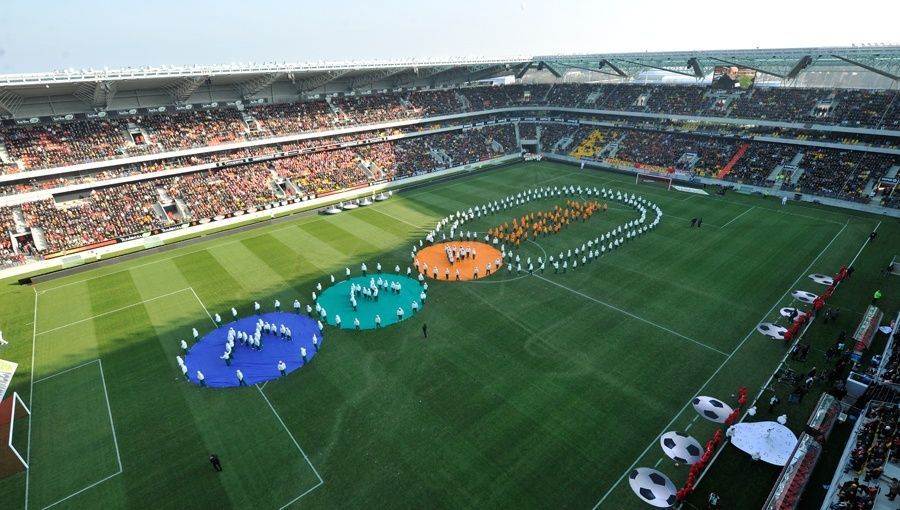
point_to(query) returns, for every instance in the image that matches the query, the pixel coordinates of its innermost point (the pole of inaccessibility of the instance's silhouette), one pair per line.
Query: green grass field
(530, 392)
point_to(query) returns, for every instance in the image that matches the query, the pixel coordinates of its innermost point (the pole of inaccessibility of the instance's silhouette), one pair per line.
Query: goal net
(658, 180)
(13, 435)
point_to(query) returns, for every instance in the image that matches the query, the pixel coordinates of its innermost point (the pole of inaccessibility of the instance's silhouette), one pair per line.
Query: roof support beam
(182, 89)
(375, 76)
(692, 75)
(745, 66)
(421, 74)
(524, 69)
(486, 72)
(604, 63)
(10, 101)
(868, 68)
(573, 66)
(250, 87)
(319, 80)
(98, 94)
(802, 64)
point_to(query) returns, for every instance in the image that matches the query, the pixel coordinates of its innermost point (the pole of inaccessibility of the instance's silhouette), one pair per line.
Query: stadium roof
(72, 91)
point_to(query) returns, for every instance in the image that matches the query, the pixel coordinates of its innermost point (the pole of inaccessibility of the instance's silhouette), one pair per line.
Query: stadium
(596, 280)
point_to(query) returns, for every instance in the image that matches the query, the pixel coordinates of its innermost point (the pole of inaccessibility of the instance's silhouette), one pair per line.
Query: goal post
(655, 179)
(12, 412)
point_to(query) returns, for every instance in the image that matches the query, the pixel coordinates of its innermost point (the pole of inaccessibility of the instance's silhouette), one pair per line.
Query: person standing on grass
(876, 296)
(277, 305)
(216, 463)
(693, 221)
(184, 347)
(784, 200)
(774, 401)
(240, 377)
(699, 222)
(425, 330)
(201, 378)
(297, 306)
(184, 372)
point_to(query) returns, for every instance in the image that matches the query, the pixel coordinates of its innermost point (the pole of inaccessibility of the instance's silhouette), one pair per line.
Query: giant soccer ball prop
(680, 447)
(712, 409)
(653, 487)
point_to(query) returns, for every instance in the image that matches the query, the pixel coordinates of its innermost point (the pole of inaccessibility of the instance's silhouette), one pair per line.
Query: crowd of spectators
(876, 441)
(434, 102)
(82, 141)
(786, 104)
(183, 130)
(371, 109)
(759, 161)
(551, 134)
(123, 210)
(677, 100)
(827, 171)
(527, 130)
(68, 143)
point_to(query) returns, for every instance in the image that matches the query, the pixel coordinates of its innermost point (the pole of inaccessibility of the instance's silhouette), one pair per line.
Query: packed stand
(759, 161)
(371, 109)
(876, 442)
(527, 131)
(551, 134)
(677, 99)
(70, 143)
(783, 104)
(292, 118)
(183, 130)
(570, 94)
(827, 172)
(434, 102)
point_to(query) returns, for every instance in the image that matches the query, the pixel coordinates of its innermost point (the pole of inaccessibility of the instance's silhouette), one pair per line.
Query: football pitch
(531, 391)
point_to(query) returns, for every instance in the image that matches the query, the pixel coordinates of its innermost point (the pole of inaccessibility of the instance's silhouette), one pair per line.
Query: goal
(659, 180)
(11, 459)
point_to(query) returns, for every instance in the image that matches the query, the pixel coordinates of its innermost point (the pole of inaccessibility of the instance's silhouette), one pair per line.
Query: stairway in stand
(734, 159)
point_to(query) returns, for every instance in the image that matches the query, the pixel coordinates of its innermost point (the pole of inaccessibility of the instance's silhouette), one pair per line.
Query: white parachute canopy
(653, 487)
(770, 441)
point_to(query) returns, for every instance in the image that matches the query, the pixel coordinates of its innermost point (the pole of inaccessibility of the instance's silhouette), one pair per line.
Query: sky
(48, 35)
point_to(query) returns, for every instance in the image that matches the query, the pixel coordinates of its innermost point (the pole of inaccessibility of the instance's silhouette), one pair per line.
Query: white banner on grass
(7, 369)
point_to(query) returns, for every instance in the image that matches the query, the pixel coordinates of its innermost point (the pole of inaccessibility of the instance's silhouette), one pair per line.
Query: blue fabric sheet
(257, 366)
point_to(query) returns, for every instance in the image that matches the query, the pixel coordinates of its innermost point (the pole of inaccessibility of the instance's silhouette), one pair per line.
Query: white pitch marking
(66, 370)
(719, 369)
(111, 425)
(633, 316)
(112, 311)
(738, 216)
